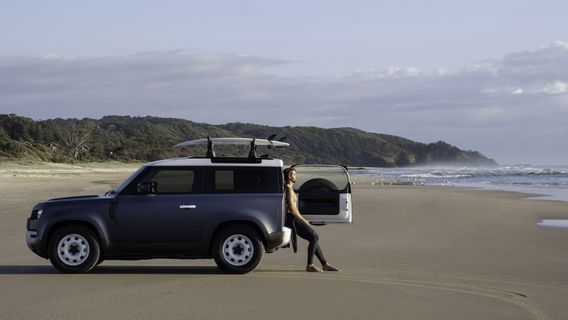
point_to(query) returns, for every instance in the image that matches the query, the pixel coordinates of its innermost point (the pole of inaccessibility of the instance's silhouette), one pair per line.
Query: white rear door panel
(324, 194)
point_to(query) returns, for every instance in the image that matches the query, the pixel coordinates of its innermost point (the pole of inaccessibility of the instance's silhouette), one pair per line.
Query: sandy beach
(413, 252)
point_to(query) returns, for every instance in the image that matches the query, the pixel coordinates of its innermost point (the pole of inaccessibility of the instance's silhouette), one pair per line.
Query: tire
(74, 249)
(237, 249)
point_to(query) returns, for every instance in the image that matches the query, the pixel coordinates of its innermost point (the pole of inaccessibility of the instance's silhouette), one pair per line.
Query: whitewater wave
(553, 179)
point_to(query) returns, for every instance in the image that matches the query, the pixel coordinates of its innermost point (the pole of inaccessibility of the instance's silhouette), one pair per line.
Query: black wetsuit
(308, 233)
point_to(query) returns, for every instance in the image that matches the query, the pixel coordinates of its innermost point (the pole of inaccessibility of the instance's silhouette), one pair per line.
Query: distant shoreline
(539, 183)
(34, 169)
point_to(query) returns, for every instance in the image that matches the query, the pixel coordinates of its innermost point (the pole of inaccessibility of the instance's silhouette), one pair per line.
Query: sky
(490, 76)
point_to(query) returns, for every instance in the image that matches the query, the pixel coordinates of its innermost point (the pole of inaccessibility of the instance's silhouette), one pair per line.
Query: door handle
(187, 206)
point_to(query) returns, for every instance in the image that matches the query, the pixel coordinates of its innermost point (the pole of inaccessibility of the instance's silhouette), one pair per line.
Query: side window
(224, 180)
(174, 180)
(246, 180)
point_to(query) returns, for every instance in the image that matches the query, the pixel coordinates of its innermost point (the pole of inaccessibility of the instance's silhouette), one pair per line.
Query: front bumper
(278, 239)
(34, 242)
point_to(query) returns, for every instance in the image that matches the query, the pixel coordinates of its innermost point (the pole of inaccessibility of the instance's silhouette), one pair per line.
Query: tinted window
(245, 180)
(126, 182)
(224, 180)
(174, 181)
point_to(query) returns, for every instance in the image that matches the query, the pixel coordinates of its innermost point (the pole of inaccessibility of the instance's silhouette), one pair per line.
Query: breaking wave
(546, 180)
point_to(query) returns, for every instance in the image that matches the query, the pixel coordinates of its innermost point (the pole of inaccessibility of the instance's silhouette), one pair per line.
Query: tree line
(125, 138)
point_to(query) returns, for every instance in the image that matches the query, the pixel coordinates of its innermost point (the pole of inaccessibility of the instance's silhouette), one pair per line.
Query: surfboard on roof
(234, 141)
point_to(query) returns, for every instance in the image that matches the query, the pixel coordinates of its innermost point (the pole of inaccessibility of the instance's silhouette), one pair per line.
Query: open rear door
(324, 193)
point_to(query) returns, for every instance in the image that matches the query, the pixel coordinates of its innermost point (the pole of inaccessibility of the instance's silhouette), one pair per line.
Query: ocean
(545, 182)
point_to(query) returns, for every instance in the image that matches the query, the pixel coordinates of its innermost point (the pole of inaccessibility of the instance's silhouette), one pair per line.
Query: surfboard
(234, 141)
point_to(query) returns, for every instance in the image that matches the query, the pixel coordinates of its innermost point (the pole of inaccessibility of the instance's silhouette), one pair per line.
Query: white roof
(207, 162)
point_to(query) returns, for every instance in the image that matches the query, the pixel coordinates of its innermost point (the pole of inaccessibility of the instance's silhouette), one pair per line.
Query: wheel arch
(65, 223)
(224, 224)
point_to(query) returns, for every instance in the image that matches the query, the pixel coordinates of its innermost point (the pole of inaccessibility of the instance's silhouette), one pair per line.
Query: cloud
(390, 72)
(556, 87)
(150, 83)
(517, 91)
(559, 44)
(495, 106)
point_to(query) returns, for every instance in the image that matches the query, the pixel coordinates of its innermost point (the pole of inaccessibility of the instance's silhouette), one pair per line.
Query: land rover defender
(228, 209)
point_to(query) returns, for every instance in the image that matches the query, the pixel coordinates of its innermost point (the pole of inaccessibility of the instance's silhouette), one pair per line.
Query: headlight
(36, 214)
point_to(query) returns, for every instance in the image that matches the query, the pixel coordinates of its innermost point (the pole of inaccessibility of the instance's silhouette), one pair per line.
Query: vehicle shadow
(156, 270)
(29, 269)
(47, 269)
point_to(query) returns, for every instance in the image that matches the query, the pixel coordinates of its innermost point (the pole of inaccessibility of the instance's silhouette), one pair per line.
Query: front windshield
(128, 180)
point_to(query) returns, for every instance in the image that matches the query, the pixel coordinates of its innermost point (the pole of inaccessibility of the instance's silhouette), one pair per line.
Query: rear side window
(224, 180)
(245, 180)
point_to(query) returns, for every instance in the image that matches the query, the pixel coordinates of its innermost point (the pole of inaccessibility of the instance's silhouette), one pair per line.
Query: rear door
(324, 193)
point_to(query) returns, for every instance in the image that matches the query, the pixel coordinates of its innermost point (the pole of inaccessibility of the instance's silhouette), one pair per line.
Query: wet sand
(412, 253)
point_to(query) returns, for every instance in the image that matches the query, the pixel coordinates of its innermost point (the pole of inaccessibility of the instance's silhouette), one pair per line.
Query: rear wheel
(74, 249)
(237, 249)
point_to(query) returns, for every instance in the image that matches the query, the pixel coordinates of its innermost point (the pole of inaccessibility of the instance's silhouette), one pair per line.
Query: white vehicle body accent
(345, 212)
(206, 162)
(287, 235)
(339, 186)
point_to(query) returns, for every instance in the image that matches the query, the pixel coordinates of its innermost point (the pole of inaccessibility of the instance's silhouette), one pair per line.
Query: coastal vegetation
(125, 138)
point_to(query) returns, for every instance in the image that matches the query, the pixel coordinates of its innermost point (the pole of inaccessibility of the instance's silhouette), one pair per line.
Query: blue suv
(228, 209)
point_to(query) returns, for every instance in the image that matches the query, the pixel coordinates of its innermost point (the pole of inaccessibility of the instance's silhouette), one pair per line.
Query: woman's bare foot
(329, 267)
(312, 268)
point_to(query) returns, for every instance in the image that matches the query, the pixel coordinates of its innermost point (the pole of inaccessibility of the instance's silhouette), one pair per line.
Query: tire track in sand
(514, 298)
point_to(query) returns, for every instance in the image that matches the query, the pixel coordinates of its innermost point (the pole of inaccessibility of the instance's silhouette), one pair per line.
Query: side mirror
(147, 187)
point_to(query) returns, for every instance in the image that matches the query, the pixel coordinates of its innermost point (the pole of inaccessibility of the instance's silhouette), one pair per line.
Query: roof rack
(252, 142)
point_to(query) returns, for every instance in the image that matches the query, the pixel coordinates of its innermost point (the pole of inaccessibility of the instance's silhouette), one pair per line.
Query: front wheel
(74, 249)
(237, 249)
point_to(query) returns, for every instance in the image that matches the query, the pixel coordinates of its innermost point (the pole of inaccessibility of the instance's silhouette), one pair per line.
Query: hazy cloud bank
(513, 108)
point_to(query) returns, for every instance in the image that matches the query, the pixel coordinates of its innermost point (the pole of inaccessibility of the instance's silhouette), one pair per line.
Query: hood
(77, 197)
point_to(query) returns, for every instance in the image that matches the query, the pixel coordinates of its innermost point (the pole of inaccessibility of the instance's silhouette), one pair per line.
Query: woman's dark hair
(287, 172)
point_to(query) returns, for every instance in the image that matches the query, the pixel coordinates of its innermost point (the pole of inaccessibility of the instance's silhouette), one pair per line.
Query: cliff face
(126, 138)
